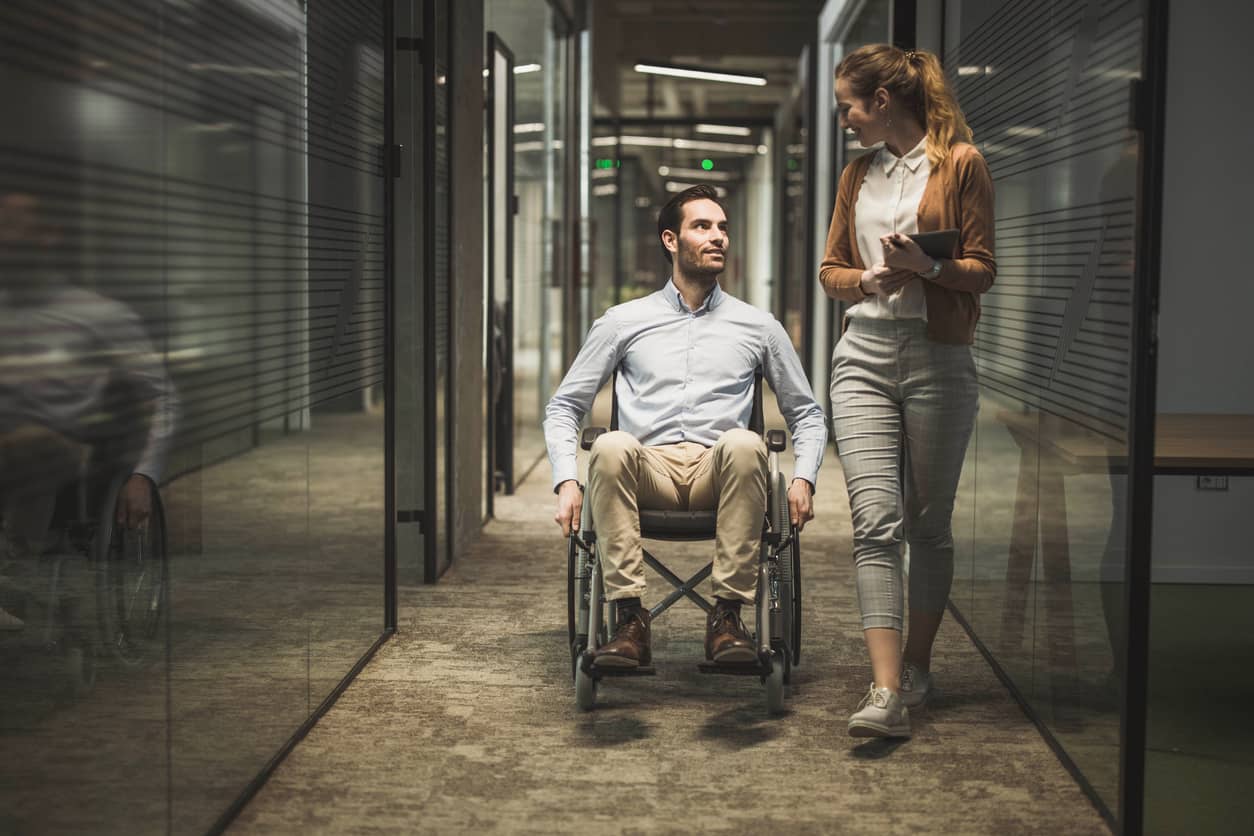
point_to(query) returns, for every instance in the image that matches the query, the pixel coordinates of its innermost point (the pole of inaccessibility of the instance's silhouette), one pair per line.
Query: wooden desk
(1051, 448)
(1184, 443)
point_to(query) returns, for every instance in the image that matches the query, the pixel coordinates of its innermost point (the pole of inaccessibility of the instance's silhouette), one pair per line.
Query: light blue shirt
(685, 376)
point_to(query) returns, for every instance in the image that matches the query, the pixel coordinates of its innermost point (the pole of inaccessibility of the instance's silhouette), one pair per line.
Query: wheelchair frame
(105, 587)
(777, 610)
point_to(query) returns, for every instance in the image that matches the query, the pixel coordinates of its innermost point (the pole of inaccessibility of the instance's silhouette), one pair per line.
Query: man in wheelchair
(83, 393)
(686, 359)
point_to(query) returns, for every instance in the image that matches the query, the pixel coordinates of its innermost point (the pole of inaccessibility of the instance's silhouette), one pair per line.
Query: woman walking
(903, 379)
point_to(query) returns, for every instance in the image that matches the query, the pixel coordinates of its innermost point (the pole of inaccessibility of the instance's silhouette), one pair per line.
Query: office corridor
(465, 721)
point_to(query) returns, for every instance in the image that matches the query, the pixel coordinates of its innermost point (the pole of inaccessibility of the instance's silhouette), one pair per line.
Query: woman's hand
(882, 280)
(902, 253)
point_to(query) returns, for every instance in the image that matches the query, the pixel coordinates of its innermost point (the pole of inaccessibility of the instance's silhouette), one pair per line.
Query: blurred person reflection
(82, 392)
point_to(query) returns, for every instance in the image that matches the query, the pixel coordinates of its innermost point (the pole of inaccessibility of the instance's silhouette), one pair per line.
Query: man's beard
(691, 261)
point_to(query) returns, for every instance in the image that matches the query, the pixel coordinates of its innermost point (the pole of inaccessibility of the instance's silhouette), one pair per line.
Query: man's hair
(672, 213)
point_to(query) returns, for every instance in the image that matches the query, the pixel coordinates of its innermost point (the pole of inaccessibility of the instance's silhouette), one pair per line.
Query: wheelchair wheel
(775, 684)
(795, 638)
(572, 591)
(131, 581)
(576, 614)
(789, 573)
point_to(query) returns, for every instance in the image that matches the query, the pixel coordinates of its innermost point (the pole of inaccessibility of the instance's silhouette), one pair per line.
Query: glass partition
(537, 36)
(1039, 525)
(192, 327)
(1200, 743)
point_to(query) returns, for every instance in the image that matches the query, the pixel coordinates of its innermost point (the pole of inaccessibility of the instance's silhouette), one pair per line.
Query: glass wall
(796, 286)
(191, 396)
(833, 149)
(537, 35)
(1040, 552)
(1200, 743)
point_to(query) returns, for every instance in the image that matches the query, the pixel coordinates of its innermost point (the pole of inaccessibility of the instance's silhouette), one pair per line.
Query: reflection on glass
(191, 444)
(537, 36)
(1048, 462)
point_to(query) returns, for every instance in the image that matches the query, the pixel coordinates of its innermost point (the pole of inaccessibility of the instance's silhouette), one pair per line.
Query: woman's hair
(916, 79)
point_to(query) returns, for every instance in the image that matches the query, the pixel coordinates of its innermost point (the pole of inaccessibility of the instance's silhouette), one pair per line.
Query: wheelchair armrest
(590, 435)
(776, 441)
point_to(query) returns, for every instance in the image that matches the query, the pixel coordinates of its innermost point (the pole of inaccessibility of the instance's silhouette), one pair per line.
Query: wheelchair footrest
(585, 662)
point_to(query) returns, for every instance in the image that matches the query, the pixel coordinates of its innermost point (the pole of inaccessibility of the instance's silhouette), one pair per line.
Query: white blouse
(889, 202)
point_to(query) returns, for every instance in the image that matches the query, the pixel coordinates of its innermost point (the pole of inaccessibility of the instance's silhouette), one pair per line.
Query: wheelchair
(96, 590)
(591, 619)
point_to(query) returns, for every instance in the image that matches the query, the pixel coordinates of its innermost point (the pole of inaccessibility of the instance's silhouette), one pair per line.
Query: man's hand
(569, 506)
(800, 502)
(135, 502)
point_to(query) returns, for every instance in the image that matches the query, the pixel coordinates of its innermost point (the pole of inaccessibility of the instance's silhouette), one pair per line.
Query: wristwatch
(933, 271)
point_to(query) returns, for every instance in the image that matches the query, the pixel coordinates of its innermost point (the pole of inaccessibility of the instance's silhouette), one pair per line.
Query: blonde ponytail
(917, 80)
(943, 118)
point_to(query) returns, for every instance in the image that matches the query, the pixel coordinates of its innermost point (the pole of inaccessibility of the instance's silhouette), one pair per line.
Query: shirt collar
(912, 158)
(671, 294)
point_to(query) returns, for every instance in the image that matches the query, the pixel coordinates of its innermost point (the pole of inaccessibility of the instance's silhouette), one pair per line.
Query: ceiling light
(669, 171)
(654, 141)
(707, 145)
(526, 68)
(702, 75)
(528, 127)
(674, 188)
(683, 144)
(725, 130)
(605, 189)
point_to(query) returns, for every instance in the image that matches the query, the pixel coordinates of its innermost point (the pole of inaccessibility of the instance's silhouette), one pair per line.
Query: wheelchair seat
(678, 525)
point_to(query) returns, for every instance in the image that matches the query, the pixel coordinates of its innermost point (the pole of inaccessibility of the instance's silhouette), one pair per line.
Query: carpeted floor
(465, 722)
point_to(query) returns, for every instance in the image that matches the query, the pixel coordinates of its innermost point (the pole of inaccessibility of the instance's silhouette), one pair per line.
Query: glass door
(499, 323)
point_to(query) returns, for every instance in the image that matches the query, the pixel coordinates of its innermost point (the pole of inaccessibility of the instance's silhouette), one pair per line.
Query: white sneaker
(916, 686)
(880, 714)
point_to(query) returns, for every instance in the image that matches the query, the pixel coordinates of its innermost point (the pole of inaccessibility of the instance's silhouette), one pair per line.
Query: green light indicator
(608, 163)
(793, 165)
(708, 165)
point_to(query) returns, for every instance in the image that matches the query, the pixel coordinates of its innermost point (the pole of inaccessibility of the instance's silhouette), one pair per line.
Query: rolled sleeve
(782, 368)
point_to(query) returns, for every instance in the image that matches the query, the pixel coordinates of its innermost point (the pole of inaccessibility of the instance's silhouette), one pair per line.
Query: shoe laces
(912, 678)
(875, 697)
(728, 617)
(907, 678)
(630, 624)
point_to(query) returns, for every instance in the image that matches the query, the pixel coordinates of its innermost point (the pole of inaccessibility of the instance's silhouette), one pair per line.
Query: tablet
(942, 243)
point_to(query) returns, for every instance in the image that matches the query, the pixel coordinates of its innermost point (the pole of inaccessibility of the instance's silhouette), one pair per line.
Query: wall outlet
(1212, 483)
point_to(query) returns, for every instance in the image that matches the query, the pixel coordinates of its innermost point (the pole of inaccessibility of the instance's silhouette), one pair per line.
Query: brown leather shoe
(629, 647)
(726, 639)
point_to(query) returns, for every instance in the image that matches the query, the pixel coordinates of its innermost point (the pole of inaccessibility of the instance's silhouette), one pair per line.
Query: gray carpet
(465, 722)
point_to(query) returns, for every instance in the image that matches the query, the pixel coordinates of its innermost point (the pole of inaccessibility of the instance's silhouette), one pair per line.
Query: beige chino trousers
(625, 476)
